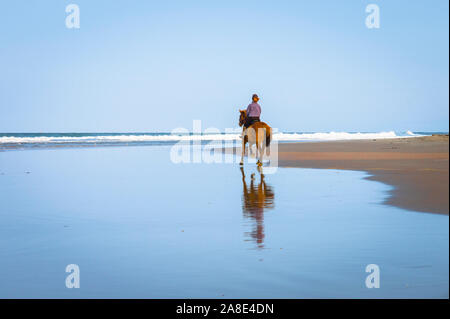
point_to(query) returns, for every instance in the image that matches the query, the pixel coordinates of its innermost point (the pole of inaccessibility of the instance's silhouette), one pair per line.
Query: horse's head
(242, 117)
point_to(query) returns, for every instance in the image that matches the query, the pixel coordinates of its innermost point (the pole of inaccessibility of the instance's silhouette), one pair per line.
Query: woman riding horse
(253, 111)
(254, 131)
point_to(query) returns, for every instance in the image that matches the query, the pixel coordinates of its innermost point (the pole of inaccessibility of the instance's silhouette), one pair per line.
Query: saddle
(251, 120)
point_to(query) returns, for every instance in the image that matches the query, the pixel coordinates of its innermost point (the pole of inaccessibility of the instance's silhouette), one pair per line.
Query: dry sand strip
(417, 167)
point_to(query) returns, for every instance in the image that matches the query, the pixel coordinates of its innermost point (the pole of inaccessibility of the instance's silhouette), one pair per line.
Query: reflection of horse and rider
(254, 131)
(255, 199)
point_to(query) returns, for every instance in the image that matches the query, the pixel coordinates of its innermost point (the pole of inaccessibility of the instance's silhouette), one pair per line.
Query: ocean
(38, 140)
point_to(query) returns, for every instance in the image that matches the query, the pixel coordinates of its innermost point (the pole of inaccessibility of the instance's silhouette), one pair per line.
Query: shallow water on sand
(140, 226)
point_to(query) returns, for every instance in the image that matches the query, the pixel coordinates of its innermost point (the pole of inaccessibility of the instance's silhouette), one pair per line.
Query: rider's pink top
(253, 110)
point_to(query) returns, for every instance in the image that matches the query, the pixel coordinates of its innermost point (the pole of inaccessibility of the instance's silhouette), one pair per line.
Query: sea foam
(61, 138)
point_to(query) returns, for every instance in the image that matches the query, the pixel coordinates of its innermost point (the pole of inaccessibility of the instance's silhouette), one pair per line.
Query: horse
(259, 134)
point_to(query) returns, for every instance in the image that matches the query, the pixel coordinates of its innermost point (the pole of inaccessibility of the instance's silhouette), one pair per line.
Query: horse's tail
(268, 136)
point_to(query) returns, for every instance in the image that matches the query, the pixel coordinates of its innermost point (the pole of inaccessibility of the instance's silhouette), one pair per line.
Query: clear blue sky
(155, 65)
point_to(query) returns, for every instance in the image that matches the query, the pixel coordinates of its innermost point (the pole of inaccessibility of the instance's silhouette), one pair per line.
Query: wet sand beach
(416, 167)
(141, 226)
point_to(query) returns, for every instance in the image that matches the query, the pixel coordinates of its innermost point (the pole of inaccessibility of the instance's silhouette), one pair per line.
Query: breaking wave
(137, 138)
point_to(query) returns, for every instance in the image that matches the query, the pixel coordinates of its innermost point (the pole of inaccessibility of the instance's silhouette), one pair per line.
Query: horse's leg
(263, 144)
(260, 153)
(243, 151)
(258, 149)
